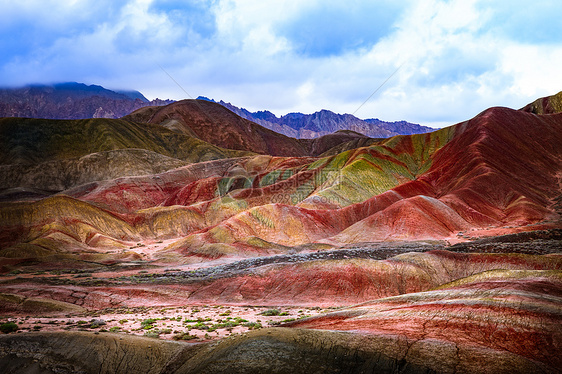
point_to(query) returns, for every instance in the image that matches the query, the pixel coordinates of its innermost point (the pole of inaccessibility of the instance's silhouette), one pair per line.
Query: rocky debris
(531, 242)
(95, 323)
(536, 243)
(330, 278)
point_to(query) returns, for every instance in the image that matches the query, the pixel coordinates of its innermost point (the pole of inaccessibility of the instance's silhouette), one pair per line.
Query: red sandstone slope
(217, 125)
(500, 169)
(320, 282)
(515, 311)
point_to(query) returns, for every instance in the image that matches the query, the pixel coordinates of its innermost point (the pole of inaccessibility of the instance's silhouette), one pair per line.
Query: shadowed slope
(57, 225)
(129, 194)
(88, 353)
(70, 101)
(46, 156)
(32, 141)
(276, 350)
(59, 175)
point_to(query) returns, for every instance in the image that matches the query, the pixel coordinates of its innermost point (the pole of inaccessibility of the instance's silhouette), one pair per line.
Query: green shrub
(253, 325)
(83, 275)
(8, 327)
(147, 324)
(163, 331)
(199, 326)
(184, 336)
(270, 312)
(229, 324)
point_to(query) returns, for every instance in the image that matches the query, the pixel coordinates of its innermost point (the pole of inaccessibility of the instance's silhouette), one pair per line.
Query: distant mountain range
(299, 125)
(80, 101)
(70, 101)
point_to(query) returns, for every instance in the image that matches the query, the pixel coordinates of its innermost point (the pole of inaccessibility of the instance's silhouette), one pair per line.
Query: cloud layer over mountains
(459, 57)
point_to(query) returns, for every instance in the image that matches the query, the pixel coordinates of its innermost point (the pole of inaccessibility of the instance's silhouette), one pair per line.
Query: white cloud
(535, 68)
(459, 57)
(50, 14)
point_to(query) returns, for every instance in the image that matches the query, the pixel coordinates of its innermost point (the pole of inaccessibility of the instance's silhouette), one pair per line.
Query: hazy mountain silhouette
(70, 101)
(299, 125)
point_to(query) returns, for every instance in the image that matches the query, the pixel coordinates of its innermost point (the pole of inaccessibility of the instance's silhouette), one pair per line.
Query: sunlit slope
(500, 168)
(254, 182)
(282, 205)
(545, 105)
(356, 175)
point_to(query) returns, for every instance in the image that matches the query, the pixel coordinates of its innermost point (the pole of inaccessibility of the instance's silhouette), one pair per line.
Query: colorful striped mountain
(441, 250)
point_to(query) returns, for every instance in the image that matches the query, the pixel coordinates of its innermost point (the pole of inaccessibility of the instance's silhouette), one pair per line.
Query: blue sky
(456, 57)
